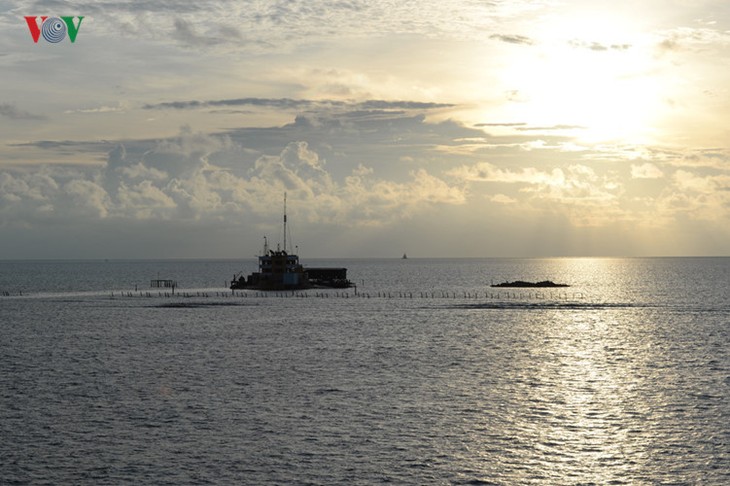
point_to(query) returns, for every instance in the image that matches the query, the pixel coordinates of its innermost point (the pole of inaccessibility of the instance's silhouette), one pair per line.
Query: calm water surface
(426, 375)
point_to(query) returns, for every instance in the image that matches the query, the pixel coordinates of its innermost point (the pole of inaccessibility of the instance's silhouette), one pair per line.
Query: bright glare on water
(424, 375)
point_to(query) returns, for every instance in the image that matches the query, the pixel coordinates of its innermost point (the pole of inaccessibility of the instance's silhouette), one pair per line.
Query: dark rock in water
(523, 284)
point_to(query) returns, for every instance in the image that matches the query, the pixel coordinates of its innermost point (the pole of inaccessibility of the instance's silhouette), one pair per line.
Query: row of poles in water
(362, 295)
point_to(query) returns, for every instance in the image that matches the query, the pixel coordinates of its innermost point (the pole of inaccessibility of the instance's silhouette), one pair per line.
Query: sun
(593, 78)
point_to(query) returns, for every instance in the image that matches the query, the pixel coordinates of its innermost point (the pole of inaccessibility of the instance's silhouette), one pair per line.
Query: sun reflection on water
(581, 403)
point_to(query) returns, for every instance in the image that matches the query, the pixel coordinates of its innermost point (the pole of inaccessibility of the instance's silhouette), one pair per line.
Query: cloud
(358, 167)
(486, 172)
(503, 199)
(687, 181)
(51, 195)
(508, 125)
(280, 24)
(300, 104)
(86, 197)
(575, 191)
(10, 111)
(513, 39)
(549, 128)
(186, 32)
(355, 170)
(714, 158)
(121, 107)
(696, 197)
(669, 45)
(198, 177)
(646, 171)
(599, 46)
(377, 202)
(145, 201)
(524, 127)
(683, 37)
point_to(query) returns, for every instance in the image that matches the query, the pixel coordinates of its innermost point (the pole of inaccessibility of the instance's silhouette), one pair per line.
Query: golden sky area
(502, 128)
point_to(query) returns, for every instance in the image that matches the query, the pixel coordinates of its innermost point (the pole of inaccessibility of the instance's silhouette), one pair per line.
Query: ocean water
(423, 375)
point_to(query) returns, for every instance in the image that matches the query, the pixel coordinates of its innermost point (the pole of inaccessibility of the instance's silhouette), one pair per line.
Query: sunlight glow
(591, 79)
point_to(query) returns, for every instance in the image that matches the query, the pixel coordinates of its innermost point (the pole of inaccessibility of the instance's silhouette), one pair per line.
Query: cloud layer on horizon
(480, 128)
(409, 170)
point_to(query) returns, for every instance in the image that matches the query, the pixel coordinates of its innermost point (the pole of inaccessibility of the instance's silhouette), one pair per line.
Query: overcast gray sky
(440, 128)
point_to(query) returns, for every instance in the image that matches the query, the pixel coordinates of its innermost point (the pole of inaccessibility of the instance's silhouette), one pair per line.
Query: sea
(421, 374)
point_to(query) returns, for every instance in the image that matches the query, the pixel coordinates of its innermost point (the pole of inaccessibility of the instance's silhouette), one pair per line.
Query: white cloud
(140, 171)
(175, 180)
(84, 198)
(646, 171)
(145, 201)
(503, 199)
(486, 172)
(358, 110)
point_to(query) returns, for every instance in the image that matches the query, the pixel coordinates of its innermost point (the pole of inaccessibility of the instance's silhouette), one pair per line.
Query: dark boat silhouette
(529, 285)
(280, 270)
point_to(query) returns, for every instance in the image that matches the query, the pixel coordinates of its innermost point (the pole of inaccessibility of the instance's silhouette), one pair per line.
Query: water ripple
(95, 390)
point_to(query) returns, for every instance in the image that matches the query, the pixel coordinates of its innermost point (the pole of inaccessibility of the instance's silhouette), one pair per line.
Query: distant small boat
(523, 284)
(405, 257)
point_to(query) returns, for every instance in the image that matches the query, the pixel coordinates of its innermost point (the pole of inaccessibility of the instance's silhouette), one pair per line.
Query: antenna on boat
(285, 221)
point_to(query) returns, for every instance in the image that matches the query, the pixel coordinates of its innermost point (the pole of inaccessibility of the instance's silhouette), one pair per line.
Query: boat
(281, 270)
(405, 257)
(523, 284)
(277, 271)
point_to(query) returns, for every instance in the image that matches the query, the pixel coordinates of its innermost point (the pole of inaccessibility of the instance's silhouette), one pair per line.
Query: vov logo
(53, 29)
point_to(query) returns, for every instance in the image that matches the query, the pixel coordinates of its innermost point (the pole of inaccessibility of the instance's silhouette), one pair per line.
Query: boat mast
(285, 222)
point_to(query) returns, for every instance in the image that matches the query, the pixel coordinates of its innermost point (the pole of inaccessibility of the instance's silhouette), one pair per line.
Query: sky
(490, 128)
